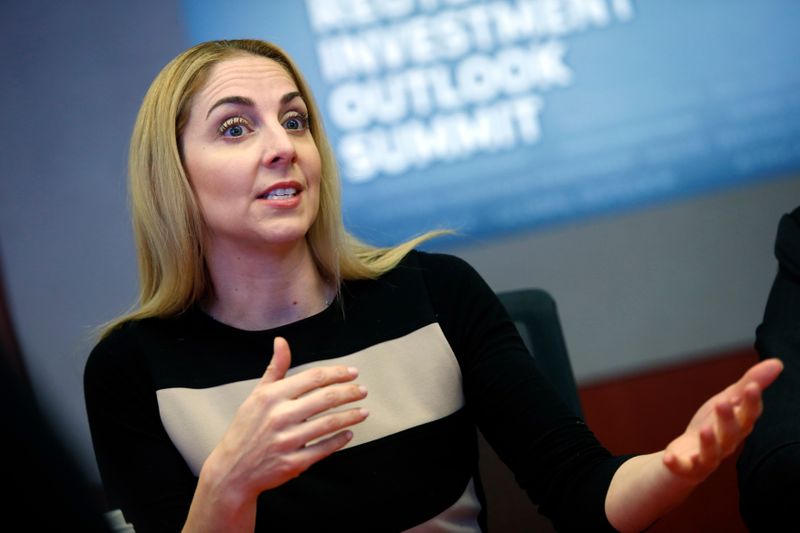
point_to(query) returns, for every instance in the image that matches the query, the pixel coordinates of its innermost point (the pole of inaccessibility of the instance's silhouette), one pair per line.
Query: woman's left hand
(720, 425)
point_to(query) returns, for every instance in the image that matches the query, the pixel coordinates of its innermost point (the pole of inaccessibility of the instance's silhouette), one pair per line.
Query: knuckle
(331, 396)
(285, 443)
(289, 467)
(318, 377)
(331, 423)
(279, 418)
(260, 396)
(279, 442)
(256, 402)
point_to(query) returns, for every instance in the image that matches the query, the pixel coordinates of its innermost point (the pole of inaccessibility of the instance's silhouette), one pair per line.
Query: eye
(234, 127)
(296, 122)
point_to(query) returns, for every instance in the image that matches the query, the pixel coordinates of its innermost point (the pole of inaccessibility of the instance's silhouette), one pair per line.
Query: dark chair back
(536, 317)
(535, 314)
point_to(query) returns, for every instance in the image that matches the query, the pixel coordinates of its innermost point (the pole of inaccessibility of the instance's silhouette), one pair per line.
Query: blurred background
(632, 158)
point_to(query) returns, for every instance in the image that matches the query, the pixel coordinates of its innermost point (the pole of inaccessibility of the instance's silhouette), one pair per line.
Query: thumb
(281, 360)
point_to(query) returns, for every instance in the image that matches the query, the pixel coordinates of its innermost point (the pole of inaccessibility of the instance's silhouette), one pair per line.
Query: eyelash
(241, 121)
(302, 117)
(231, 122)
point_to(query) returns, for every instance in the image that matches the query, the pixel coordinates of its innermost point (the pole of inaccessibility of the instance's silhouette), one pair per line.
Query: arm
(646, 487)
(143, 474)
(555, 458)
(267, 443)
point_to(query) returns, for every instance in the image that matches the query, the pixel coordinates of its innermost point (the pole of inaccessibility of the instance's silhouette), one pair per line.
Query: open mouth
(279, 194)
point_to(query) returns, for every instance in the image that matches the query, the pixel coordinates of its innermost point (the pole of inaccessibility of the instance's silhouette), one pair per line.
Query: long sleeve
(142, 472)
(552, 453)
(769, 465)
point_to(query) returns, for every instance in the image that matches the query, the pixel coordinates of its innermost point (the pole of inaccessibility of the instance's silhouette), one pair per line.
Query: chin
(285, 237)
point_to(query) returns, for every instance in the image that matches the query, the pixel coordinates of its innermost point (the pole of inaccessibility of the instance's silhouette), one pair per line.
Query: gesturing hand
(721, 424)
(286, 424)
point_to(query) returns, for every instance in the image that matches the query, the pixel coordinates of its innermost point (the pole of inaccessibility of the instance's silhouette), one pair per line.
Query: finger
(295, 462)
(306, 381)
(317, 429)
(671, 461)
(707, 458)
(709, 448)
(680, 466)
(280, 362)
(763, 373)
(328, 397)
(323, 448)
(320, 427)
(699, 463)
(750, 408)
(728, 429)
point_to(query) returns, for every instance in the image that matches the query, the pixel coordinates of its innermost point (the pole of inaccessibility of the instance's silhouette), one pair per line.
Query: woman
(242, 255)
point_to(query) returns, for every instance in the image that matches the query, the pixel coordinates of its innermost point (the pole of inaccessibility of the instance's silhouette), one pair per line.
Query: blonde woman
(279, 375)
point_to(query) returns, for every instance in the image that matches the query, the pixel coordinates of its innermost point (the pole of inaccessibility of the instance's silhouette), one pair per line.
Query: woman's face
(250, 156)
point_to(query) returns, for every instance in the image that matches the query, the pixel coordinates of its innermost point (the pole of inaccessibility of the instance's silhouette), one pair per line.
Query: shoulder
(439, 264)
(444, 275)
(114, 372)
(113, 352)
(452, 282)
(121, 338)
(123, 351)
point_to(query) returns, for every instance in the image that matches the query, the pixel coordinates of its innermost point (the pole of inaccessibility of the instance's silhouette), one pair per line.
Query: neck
(265, 288)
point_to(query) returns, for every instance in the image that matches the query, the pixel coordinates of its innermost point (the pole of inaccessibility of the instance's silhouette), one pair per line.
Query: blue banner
(490, 117)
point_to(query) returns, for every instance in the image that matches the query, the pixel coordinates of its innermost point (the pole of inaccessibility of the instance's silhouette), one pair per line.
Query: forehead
(243, 74)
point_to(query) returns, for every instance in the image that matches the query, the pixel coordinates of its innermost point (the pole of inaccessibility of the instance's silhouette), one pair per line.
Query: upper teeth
(277, 193)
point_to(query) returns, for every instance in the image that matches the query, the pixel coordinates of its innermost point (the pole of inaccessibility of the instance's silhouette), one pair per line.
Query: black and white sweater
(439, 356)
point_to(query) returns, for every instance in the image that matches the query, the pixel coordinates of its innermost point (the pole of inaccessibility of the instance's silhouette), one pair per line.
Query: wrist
(222, 490)
(642, 490)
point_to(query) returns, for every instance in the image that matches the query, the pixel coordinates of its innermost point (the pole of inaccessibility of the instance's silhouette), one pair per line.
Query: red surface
(643, 412)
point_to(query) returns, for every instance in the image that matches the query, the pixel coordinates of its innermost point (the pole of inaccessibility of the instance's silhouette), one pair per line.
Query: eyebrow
(243, 100)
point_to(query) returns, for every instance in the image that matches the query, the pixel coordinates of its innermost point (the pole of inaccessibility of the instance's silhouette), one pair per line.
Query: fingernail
(363, 412)
(353, 371)
(363, 389)
(348, 435)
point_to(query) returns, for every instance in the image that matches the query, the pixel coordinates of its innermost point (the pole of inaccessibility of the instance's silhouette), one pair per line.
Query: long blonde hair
(168, 227)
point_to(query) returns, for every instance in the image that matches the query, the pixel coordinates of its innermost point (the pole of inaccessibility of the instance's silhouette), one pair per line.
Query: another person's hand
(287, 424)
(720, 425)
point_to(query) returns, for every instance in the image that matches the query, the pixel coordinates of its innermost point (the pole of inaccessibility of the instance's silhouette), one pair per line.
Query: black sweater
(439, 356)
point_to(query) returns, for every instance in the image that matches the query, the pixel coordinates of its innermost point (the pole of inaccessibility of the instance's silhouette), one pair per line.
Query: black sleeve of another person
(45, 489)
(769, 466)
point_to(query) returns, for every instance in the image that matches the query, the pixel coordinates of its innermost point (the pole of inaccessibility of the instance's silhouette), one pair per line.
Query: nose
(278, 148)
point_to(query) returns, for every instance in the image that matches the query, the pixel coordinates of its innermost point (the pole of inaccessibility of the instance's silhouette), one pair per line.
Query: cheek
(197, 172)
(212, 177)
(312, 167)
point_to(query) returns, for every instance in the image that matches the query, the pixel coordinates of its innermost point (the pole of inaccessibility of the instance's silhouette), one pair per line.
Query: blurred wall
(648, 287)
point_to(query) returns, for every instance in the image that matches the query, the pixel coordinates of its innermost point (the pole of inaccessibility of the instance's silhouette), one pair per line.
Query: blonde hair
(168, 227)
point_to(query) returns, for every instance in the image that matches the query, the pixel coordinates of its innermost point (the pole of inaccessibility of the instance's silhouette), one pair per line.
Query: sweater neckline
(204, 320)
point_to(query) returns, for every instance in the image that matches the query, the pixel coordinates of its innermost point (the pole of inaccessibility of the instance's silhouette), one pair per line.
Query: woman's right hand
(285, 425)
